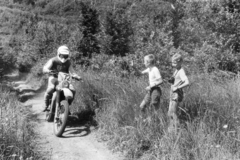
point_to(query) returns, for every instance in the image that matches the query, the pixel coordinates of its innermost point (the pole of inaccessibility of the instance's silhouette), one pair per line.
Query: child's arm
(184, 82)
(137, 70)
(158, 82)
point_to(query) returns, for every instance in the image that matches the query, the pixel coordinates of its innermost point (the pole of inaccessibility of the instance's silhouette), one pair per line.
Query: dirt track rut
(78, 142)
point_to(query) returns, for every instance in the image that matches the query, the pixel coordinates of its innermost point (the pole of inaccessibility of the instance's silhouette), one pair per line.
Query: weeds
(209, 118)
(16, 133)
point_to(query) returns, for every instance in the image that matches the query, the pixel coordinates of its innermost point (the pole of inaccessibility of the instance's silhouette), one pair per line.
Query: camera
(171, 80)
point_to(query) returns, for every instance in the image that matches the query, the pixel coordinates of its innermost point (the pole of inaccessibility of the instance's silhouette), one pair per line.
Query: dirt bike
(59, 103)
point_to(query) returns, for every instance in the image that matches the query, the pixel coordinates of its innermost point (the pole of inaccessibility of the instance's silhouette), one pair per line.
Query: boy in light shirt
(178, 81)
(155, 79)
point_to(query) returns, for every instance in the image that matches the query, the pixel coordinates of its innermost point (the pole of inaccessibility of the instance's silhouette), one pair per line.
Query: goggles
(63, 56)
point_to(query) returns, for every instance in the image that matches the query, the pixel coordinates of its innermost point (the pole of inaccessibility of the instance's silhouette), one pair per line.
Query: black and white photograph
(119, 79)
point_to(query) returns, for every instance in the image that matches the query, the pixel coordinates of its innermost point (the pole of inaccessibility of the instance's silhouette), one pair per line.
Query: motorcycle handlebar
(77, 78)
(56, 73)
(53, 73)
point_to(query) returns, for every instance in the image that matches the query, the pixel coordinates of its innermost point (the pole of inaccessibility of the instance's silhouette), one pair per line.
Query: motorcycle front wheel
(61, 116)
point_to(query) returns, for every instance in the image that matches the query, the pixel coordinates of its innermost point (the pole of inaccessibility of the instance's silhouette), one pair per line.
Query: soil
(79, 141)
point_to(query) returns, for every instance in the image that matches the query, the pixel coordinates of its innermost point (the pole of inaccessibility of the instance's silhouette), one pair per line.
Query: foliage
(16, 134)
(209, 118)
(106, 35)
(130, 29)
(118, 30)
(90, 27)
(210, 25)
(5, 62)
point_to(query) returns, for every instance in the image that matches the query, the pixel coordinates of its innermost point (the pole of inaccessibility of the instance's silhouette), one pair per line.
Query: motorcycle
(59, 103)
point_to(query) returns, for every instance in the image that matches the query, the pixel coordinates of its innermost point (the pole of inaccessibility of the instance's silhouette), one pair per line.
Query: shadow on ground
(78, 124)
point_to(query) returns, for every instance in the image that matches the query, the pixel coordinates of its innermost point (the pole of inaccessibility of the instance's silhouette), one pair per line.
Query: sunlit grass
(210, 118)
(16, 133)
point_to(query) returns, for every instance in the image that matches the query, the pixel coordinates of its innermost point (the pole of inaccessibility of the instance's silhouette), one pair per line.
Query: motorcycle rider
(60, 63)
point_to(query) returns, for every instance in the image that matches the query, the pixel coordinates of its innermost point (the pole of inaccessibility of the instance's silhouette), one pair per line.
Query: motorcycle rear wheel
(60, 118)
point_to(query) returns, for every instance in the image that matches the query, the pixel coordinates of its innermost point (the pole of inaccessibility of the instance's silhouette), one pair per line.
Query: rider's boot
(45, 107)
(46, 102)
(70, 102)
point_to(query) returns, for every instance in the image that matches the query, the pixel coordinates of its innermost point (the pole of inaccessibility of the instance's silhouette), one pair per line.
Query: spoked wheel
(61, 117)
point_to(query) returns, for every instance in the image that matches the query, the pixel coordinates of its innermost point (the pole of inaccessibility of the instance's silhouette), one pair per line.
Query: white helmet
(63, 53)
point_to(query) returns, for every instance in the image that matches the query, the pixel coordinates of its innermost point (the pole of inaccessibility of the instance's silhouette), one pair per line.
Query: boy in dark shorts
(153, 95)
(178, 81)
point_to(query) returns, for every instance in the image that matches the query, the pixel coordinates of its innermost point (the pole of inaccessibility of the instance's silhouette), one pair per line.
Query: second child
(178, 81)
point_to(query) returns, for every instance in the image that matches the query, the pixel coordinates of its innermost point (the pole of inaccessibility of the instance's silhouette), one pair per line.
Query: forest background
(104, 36)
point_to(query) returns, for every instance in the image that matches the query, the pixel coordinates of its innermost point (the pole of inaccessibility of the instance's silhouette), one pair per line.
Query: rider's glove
(77, 77)
(47, 71)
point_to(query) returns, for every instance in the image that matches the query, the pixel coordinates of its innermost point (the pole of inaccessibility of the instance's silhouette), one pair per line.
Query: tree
(90, 24)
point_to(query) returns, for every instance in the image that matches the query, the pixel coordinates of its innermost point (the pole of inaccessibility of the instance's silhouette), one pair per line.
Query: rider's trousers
(51, 88)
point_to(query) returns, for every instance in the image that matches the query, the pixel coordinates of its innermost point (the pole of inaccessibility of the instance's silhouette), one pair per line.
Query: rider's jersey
(58, 66)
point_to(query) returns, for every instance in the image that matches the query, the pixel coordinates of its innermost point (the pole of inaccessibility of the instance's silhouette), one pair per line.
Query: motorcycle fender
(67, 93)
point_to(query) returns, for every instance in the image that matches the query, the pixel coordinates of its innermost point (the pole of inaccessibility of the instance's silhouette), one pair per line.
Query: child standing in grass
(178, 81)
(153, 95)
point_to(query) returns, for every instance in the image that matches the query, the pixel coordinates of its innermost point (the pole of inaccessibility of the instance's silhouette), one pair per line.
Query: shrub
(16, 133)
(89, 24)
(118, 30)
(6, 62)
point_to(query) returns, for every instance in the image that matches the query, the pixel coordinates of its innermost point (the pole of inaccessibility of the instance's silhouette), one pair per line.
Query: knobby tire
(58, 130)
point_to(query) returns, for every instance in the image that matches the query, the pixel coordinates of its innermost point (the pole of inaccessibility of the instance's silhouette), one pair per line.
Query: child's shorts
(153, 97)
(177, 95)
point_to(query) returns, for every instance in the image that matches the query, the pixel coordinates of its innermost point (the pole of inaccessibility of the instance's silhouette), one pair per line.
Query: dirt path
(78, 142)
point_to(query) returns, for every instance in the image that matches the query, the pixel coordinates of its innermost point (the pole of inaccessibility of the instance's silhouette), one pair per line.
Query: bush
(16, 133)
(118, 30)
(90, 24)
(208, 25)
(7, 62)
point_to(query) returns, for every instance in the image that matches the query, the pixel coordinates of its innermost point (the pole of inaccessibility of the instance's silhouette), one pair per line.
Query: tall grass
(210, 117)
(16, 133)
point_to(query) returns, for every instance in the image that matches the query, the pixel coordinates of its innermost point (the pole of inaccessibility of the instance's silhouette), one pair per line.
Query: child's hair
(177, 57)
(151, 58)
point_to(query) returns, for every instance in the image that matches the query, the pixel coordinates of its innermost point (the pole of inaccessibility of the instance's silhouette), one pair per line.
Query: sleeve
(183, 75)
(47, 66)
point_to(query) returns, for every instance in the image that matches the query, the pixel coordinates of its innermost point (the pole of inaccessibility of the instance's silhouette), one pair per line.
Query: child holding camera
(178, 81)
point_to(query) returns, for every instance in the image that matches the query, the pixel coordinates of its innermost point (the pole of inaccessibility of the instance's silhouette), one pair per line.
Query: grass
(210, 117)
(16, 132)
